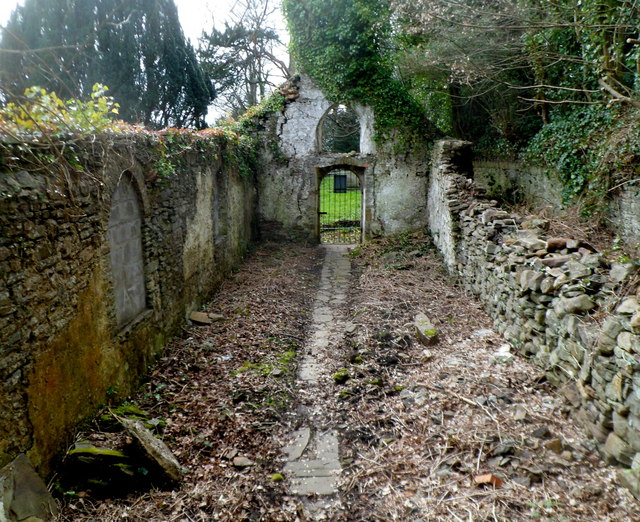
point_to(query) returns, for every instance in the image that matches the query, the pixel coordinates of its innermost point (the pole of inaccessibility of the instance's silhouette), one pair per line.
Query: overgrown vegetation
(346, 48)
(556, 83)
(44, 133)
(45, 114)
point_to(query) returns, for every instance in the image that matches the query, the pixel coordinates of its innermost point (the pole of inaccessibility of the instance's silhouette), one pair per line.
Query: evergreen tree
(136, 47)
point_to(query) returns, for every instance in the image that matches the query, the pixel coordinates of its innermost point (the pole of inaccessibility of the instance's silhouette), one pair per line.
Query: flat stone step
(307, 486)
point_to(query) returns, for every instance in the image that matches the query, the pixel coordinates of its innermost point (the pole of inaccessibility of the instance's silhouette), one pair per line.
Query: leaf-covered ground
(418, 426)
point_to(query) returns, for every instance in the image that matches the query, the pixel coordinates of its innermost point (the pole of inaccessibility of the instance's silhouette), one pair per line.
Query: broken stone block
(242, 462)
(554, 445)
(621, 271)
(154, 449)
(425, 331)
(579, 304)
(530, 280)
(577, 270)
(556, 243)
(23, 494)
(204, 318)
(532, 243)
(556, 261)
(618, 450)
(629, 306)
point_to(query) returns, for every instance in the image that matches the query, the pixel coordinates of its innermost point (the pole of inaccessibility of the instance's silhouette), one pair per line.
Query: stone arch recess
(124, 236)
(320, 128)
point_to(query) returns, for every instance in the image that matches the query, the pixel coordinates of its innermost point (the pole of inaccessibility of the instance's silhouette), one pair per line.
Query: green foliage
(45, 114)
(345, 47)
(584, 147)
(253, 119)
(248, 129)
(569, 146)
(136, 47)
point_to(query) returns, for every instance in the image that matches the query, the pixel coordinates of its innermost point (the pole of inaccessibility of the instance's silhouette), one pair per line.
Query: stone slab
(300, 442)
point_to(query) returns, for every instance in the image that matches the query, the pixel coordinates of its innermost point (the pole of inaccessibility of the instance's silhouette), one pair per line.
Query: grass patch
(346, 206)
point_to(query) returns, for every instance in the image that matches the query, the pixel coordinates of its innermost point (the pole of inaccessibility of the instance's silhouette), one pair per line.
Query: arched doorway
(340, 206)
(124, 234)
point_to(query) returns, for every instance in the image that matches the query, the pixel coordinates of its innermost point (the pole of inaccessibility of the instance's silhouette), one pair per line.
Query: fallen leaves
(488, 479)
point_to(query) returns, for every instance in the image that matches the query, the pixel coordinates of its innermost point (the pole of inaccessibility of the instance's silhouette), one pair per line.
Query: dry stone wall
(97, 270)
(514, 181)
(556, 300)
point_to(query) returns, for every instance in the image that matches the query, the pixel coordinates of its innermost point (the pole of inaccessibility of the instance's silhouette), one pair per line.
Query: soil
(464, 429)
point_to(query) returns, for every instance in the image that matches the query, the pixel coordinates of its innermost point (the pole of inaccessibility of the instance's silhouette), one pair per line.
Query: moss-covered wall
(62, 352)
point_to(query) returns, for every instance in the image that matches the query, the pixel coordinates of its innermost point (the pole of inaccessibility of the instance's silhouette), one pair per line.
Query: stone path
(313, 456)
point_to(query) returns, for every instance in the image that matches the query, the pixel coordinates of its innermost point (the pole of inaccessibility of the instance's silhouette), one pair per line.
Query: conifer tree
(136, 47)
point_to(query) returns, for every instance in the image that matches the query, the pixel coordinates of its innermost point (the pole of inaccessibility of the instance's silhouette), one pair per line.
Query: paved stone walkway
(313, 456)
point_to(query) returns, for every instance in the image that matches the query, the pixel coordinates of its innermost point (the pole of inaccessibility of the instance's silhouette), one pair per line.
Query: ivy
(45, 133)
(585, 148)
(346, 48)
(250, 136)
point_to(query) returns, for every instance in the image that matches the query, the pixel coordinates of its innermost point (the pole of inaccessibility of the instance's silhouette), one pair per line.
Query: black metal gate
(340, 208)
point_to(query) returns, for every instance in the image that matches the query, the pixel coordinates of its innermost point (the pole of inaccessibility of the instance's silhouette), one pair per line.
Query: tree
(242, 59)
(346, 47)
(515, 55)
(136, 47)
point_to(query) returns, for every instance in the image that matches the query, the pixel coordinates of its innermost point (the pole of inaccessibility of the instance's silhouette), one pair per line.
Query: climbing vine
(346, 48)
(591, 149)
(42, 132)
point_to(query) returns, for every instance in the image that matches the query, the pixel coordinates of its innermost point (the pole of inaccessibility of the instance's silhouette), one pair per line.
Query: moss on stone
(341, 376)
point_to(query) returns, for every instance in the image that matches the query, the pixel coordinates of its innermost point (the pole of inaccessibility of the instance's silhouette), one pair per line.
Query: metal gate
(340, 208)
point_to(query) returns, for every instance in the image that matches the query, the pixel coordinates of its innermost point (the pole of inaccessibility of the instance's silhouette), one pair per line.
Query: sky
(195, 15)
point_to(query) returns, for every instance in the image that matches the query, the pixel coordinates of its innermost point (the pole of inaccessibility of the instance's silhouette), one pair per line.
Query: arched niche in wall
(124, 234)
(339, 130)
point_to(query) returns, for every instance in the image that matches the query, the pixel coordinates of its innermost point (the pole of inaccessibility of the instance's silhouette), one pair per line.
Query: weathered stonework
(394, 184)
(515, 181)
(555, 299)
(66, 338)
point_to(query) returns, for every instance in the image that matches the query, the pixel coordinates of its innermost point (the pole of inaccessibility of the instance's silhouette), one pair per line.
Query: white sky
(195, 15)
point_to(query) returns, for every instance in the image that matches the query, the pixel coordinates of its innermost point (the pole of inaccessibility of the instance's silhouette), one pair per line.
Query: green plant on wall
(345, 47)
(44, 113)
(584, 147)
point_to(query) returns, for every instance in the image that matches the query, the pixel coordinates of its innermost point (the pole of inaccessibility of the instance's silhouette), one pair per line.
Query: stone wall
(514, 182)
(97, 270)
(394, 183)
(555, 299)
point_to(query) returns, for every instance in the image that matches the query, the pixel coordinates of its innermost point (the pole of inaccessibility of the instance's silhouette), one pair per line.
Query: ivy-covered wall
(68, 339)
